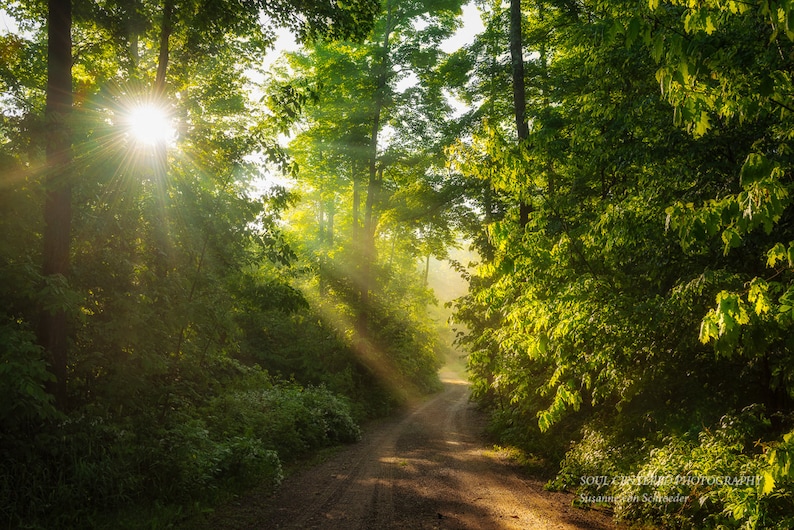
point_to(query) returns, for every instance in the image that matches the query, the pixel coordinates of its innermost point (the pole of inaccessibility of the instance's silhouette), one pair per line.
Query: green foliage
(718, 478)
(289, 419)
(192, 464)
(81, 469)
(643, 290)
(594, 455)
(374, 197)
(776, 483)
(23, 376)
(636, 286)
(181, 280)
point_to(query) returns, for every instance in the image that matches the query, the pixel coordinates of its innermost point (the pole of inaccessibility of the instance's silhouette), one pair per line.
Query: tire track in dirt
(426, 469)
(367, 493)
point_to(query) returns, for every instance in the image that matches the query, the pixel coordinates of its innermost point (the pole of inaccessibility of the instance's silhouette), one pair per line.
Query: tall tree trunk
(162, 60)
(551, 185)
(330, 227)
(130, 11)
(53, 328)
(519, 90)
(356, 223)
(374, 179)
(161, 226)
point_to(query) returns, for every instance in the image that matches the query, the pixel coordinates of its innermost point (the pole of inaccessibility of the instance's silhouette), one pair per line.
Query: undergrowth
(89, 471)
(719, 477)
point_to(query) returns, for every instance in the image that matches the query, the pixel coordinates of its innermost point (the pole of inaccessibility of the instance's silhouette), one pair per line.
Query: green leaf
(767, 483)
(708, 328)
(758, 296)
(756, 167)
(776, 254)
(731, 238)
(633, 30)
(658, 48)
(710, 26)
(702, 124)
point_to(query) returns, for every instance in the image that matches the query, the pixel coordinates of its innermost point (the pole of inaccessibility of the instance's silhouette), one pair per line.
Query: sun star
(150, 124)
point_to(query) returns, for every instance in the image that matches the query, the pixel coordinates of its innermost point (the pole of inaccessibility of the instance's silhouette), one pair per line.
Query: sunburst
(150, 124)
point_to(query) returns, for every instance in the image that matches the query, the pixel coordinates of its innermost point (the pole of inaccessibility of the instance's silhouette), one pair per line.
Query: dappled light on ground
(428, 469)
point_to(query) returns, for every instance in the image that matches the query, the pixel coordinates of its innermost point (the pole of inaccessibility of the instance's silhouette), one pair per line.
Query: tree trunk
(551, 186)
(162, 60)
(330, 227)
(356, 223)
(519, 91)
(161, 226)
(53, 330)
(373, 183)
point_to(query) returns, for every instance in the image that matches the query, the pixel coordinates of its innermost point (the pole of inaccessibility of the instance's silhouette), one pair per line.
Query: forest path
(428, 468)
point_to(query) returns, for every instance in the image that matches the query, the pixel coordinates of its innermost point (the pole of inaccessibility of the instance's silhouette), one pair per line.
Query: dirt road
(427, 469)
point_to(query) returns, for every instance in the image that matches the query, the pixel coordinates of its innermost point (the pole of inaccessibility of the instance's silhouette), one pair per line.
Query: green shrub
(681, 481)
(174, 453)
(694, 471)
(189, 464)
(23, 375)
(68, 470)
(596, 455)
(247, 463)
(287, 419)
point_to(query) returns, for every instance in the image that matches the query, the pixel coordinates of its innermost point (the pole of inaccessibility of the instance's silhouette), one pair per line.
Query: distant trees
(369, 151)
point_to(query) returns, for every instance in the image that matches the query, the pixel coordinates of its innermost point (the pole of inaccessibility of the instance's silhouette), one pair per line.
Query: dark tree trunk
(162, 60)
(519, 91)
(53, 329)
(161, 226)
(374, 181)
(356, 205)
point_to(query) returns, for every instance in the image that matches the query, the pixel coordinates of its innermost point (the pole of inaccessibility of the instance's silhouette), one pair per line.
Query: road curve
(427, 469)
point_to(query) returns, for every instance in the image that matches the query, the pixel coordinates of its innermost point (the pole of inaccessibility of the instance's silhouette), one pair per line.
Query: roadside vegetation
(630, 323)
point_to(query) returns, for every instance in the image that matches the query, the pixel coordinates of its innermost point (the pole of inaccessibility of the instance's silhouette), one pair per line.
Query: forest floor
(428, 468)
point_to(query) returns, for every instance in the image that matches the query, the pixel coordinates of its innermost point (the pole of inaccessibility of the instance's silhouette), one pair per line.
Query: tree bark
(162, 60)
(373, 183)
(161, 229)
(356, 207)
(519, 91)
(53, 327)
